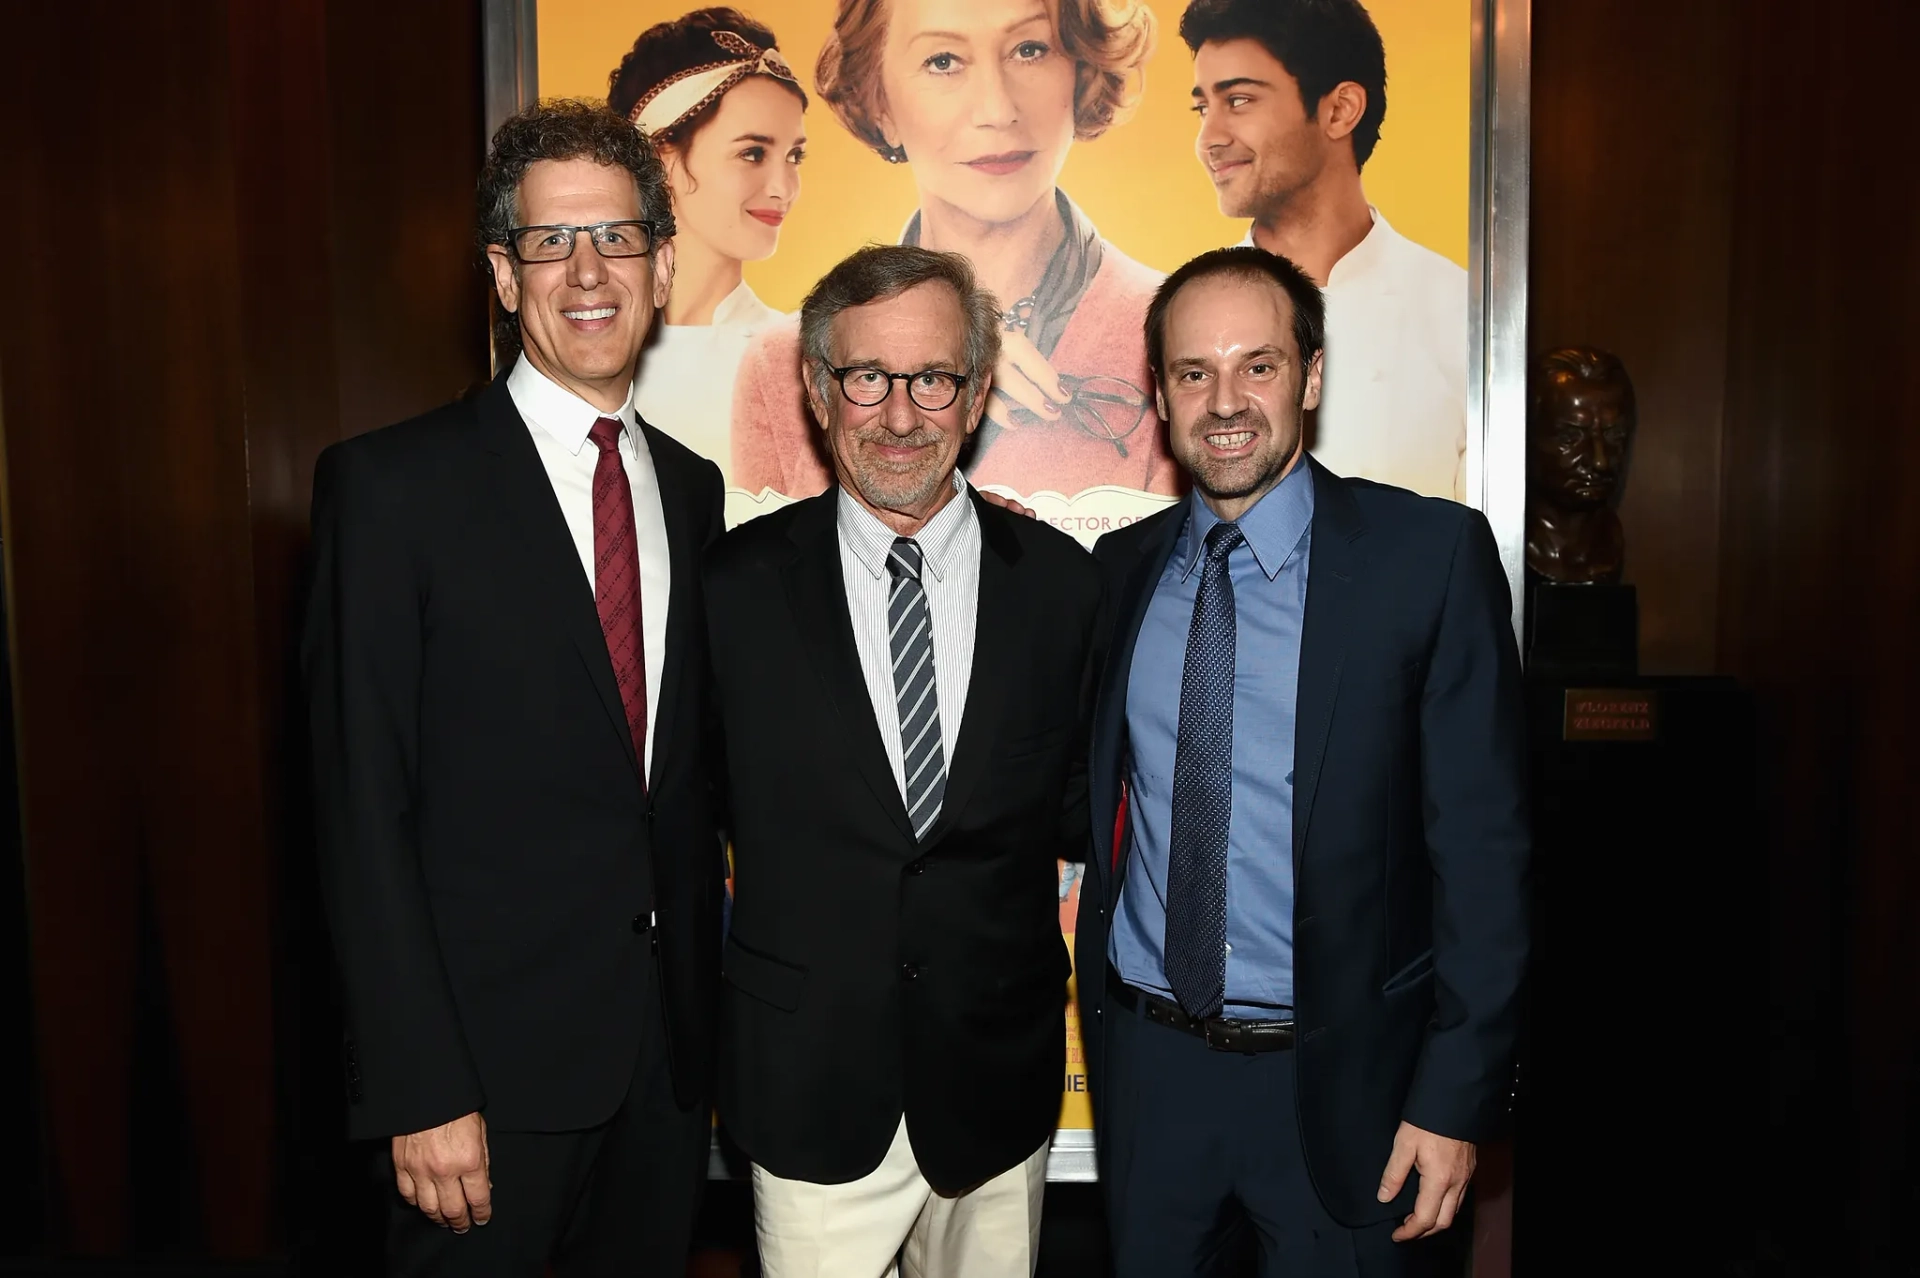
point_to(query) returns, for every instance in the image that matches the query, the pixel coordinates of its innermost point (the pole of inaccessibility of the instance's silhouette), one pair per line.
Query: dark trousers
(617, 1199)
(1199, 1149)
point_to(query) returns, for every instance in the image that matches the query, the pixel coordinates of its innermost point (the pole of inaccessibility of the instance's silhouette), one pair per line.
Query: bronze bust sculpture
(1580, 420)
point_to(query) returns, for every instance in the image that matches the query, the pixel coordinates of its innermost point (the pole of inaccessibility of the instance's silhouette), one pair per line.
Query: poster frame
(1498, 218)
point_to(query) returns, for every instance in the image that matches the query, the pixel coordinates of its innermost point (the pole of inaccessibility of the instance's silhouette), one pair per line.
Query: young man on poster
(903, 672)
(1299, 967)
(516, 836)
(1291, 96)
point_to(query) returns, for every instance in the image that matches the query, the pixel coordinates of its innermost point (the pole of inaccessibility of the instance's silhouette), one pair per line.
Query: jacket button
(640, 925)
(918, 867)
(908, 972)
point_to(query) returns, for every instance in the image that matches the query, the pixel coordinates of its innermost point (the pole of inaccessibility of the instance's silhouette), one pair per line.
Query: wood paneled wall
(1819, 594)
(1729, 197)
(236, 232)
(1633, 129)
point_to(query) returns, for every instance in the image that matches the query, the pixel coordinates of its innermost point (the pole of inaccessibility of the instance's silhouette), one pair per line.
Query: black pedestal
(1582, 633)
(1644, 1042)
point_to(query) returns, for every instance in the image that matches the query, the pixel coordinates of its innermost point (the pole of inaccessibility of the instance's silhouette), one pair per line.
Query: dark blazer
(867, 974)
(489, 855)
(1410, 835)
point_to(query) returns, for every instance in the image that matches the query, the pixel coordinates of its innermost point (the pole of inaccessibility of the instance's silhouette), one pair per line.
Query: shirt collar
(742, 307)
(556, 410)
(939, 540)
(1365, 257)
(1274, 528)
(1359, 259)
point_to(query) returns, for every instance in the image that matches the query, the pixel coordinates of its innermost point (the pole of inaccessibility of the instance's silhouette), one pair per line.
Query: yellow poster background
(1140, 183)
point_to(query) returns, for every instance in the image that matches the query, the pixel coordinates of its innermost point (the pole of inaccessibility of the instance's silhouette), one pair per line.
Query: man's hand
(444, 1171)
(1445, 1166)
(1004, 502)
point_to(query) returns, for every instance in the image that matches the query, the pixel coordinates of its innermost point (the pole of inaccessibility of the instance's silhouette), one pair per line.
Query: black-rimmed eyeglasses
(932, 389)
(555, 243)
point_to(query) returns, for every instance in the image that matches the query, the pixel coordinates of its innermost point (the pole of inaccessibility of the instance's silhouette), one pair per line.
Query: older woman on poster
(983, 99)
(714, 95)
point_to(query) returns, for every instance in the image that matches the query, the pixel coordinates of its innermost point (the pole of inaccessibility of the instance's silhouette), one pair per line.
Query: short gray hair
(881, 271)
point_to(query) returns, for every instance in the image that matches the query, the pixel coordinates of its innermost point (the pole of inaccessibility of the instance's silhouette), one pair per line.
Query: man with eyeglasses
(903, 672)
(508, 700)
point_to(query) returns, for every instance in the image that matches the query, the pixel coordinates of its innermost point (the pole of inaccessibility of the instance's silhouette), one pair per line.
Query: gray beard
(894, 489)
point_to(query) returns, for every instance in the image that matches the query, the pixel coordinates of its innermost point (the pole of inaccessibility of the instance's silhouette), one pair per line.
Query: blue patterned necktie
(916, 697)
(1196, 948)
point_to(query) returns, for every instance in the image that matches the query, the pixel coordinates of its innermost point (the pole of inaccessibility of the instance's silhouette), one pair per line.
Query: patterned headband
(680, 96)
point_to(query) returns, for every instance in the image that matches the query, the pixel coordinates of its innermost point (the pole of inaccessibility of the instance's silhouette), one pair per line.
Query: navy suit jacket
(1410, 833)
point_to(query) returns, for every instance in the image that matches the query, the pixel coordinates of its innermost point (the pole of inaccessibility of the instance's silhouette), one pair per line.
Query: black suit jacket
(489, 854)
(866, 973)
(1410, 835)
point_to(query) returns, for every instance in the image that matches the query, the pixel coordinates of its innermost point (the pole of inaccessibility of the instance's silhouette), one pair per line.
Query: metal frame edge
(1497, 279)
(510, 52)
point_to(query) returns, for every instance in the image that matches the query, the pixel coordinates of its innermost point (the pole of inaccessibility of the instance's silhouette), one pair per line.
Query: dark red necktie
(616, 581)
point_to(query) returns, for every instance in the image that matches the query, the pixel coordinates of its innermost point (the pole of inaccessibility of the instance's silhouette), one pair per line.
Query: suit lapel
(1000, 620)
(550, 561)
(1110, 714)
(684, 544)
(1335, 566)
(817, 596)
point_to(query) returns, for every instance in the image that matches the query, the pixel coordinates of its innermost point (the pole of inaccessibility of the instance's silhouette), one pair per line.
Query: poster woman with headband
(724, 110)
(983, 99)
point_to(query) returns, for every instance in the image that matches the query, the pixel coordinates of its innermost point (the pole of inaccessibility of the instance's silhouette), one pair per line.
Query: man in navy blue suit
(1303, 931)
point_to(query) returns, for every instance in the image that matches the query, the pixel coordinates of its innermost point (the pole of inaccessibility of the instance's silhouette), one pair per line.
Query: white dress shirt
(560, 421)
(950, 574)
(1393, 399)
(685, 385)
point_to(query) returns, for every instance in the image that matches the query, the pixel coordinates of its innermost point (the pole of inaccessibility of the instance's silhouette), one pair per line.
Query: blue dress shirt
(1269, 575)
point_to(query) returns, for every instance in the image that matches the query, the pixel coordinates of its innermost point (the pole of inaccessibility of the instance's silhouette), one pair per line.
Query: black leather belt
(1220, 1034)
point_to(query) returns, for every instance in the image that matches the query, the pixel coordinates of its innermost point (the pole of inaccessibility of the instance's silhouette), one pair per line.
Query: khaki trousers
(891, 1220)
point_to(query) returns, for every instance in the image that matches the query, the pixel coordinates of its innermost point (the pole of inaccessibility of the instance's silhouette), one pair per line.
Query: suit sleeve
(1075, 835)
(1473, 761)
(713, 739)
(409, 1065)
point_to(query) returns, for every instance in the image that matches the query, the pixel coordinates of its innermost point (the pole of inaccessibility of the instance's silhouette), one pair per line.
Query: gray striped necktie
(910, 642)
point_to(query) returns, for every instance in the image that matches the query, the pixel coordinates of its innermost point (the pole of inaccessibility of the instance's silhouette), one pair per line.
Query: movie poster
(1056, 142)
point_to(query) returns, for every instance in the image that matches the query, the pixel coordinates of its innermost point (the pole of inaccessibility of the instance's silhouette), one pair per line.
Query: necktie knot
(1221, 540)
(606, 433)
(904, 559)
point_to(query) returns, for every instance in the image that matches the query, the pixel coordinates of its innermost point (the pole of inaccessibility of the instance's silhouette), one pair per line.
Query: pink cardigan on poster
(778, 446)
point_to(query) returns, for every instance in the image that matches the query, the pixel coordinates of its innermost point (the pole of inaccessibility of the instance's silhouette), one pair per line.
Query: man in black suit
(904, 672)
(506, 657)
(1303, 929)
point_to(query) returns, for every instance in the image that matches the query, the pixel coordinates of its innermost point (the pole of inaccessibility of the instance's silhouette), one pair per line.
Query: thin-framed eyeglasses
(555, 243)
(931, 388)
(1104, 407)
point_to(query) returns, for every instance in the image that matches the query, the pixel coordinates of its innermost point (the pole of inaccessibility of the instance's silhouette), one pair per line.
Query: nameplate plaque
(1611, 714)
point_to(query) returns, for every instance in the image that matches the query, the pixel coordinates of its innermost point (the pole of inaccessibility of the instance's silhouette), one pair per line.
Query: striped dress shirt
(950, 574)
